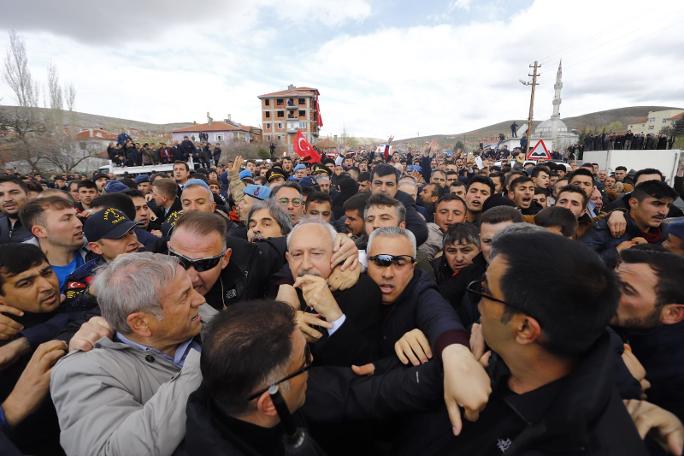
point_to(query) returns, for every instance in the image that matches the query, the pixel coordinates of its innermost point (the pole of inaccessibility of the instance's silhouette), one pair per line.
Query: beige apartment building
(656, 121)
(286, 112)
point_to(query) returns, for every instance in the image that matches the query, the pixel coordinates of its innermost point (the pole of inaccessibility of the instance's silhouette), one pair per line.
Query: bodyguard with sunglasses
(413, 302)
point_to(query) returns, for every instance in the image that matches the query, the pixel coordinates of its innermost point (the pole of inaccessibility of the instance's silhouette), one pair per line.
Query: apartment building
(286, 112)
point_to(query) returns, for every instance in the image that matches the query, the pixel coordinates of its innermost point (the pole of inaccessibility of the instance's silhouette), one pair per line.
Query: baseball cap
(245, 173)
(115, 186)
(100, 176)
(107, 223)
(142, 178)
(260, 192)
(196, 182)
(674, 226)
(306, 182)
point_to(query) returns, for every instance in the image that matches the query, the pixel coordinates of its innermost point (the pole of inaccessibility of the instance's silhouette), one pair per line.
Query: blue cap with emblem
(107, 223)
(260, 192)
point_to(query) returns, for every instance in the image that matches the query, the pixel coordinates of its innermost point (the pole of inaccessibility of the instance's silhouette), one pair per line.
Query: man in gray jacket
(127, 396)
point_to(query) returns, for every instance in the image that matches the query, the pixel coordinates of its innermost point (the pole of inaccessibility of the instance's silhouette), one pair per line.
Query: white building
(223, 132)
(553, 131)
(656, 121)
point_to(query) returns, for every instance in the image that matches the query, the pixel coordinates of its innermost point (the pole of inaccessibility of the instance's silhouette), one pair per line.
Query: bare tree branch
(70, 95)
(18, 75)
(54, 89)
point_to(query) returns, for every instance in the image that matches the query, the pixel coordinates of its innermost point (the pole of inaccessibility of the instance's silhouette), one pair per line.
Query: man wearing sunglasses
(416, 304)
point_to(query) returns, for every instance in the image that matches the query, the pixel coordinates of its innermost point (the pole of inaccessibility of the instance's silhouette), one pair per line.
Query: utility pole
(534, 83)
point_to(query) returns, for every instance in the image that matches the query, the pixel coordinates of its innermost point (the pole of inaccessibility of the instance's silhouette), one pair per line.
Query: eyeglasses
(478, 288)
(384, 260)
(308, 360)
(200, 264)
(296, 202)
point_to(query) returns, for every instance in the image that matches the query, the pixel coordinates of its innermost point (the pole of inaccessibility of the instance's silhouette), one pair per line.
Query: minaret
(557, 89)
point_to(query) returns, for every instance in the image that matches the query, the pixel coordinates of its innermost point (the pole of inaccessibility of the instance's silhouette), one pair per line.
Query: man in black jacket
(385, 180)
(254, 373)
(28, 283)
(13, 194)
(343, 327)
(552, 370)
(650, 317)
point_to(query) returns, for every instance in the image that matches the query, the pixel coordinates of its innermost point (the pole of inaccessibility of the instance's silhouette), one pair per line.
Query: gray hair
(308, 220)
(512, 230)
(322, 178)
(277, 212)
(132, 283)
(392, 231)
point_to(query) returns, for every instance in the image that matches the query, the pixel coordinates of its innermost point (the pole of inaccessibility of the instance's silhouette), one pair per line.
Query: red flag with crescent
(304, 149)
(319, 118)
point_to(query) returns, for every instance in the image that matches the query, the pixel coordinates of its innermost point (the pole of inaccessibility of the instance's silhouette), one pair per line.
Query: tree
(39, 136)
(21, 120)
(70, 96)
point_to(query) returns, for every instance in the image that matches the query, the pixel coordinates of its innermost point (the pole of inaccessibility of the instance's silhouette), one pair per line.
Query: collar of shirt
(179, 356)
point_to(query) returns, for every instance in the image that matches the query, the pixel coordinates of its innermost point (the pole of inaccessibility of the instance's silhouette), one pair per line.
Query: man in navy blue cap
(110, 233)
(143, 183)
(674, 230)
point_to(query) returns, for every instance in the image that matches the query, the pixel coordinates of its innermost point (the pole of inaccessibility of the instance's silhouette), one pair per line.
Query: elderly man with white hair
(127, 395)
(342, 325)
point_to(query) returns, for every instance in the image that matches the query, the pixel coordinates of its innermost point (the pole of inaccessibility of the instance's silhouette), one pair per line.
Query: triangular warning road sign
(539, 152)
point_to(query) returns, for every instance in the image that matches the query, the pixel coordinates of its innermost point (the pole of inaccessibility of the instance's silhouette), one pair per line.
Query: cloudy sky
(383, 67)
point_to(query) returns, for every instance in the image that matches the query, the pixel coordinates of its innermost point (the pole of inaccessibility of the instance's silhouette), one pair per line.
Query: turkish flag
(304, 149)
(319, 118)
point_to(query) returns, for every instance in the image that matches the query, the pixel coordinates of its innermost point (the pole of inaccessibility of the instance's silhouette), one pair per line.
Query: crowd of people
(367, 304)
(627, 141)
(126, 152)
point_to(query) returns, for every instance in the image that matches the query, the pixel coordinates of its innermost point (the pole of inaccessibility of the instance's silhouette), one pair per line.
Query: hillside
(113, 124)
(592, 120)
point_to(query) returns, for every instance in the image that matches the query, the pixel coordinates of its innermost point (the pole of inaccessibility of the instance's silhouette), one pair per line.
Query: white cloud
(460, 4)
(328, 12)
(424, 78)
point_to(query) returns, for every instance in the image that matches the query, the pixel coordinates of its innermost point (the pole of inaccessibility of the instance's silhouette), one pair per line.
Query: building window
(278, 138)
(268, 114)
(302, 125)
(267, 102)
(280, 125)
(279, 101)
(268, 125)
(268, 137)
(301, 101)
(302, 113)
(219, 137)
(281, 113)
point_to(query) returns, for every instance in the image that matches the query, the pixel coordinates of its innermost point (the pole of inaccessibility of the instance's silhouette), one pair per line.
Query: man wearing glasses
(418, 307)
(254, 373)
(289, 196)
(552, 362)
